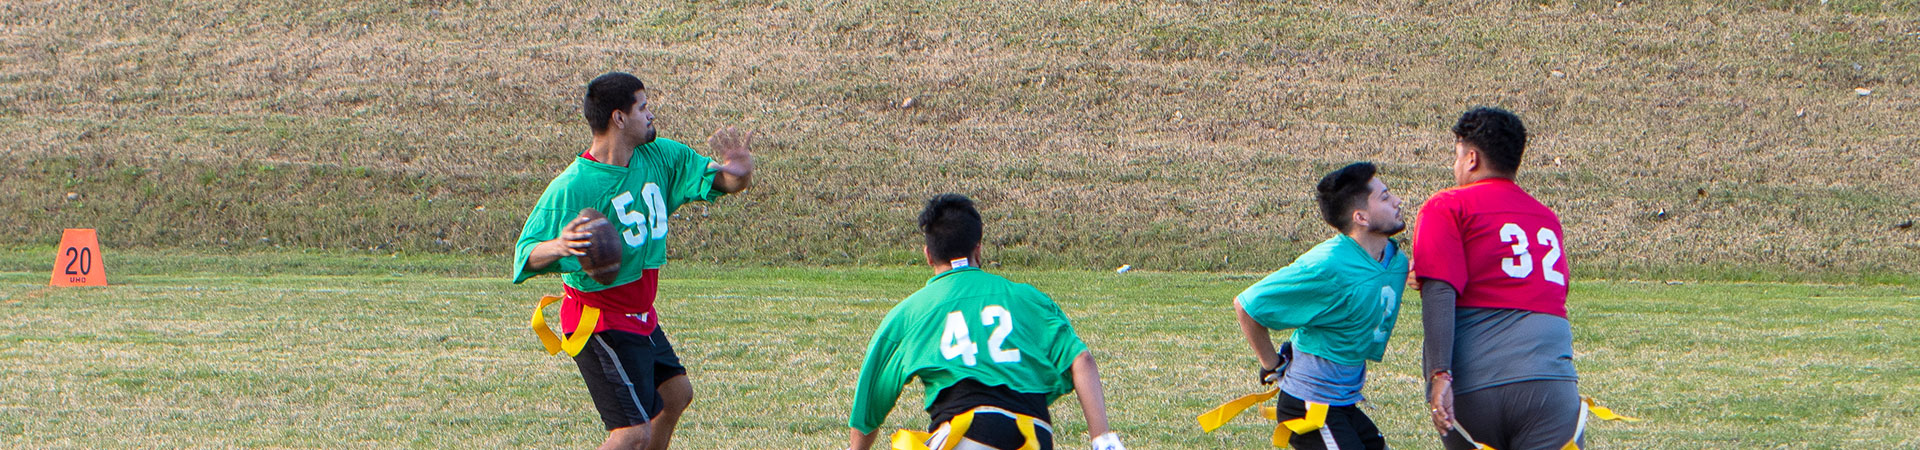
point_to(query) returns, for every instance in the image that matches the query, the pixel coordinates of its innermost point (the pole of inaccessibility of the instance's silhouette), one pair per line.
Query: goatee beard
(1396, 229)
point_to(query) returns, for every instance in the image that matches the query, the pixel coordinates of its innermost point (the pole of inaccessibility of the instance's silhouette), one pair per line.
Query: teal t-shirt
(1340, 301)
(966, 324)
(638, 199)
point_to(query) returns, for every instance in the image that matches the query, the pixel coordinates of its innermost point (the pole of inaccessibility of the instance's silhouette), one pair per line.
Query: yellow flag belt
(589, 317)
(1317, 417)
(957, 430)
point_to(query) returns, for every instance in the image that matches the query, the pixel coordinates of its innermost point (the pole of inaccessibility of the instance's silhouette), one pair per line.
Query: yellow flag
(589, 318)
(1219, 415)
(1603, 412)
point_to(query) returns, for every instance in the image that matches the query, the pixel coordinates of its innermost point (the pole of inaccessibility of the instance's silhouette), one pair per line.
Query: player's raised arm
(735, 161)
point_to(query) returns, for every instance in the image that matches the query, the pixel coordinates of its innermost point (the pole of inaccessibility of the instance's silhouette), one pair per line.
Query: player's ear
(1361, 219)
(929, 255)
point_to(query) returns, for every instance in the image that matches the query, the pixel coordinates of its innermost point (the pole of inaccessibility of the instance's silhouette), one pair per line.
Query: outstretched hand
(735, 148)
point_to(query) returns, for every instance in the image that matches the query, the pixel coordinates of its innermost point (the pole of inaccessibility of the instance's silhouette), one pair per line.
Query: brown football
(602, 259)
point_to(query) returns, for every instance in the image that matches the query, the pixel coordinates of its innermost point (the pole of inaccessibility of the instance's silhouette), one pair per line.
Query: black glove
(1270, 376)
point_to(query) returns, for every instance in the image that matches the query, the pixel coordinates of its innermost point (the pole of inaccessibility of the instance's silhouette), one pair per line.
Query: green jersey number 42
(957, 341)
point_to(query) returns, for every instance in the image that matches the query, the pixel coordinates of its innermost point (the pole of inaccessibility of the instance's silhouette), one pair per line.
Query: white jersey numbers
(657, 206)
(995, 314)
(1388, 301)
(640, 226)
(1520, 265)
(1553, 257)
(957, 339)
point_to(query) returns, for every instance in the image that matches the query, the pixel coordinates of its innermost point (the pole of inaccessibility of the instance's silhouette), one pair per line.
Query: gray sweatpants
(1529, 415)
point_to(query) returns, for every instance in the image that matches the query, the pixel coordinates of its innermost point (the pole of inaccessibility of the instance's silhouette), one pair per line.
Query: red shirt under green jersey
(639, 198)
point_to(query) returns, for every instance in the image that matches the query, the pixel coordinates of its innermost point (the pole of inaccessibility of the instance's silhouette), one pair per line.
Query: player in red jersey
(1493, 279)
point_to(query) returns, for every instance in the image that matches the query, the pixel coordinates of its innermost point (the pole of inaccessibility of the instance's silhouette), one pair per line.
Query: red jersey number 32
(1520, 265)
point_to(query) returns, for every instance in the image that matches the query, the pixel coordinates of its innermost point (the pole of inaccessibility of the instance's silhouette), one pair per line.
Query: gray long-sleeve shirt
(1487, 347)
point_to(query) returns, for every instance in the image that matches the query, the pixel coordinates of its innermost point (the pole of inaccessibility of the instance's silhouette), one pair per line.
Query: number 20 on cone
(76, 262)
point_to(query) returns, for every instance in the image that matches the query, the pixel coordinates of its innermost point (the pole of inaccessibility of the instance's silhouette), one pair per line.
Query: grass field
(306, 203)
(383, 353)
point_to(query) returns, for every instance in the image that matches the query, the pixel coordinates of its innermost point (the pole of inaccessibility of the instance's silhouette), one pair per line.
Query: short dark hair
(1497, 134)
(606, 94)
(1343, 191)
(952, 226)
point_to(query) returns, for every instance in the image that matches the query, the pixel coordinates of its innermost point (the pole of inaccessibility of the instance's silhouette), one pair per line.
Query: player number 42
(1521, 264)
(957, 341)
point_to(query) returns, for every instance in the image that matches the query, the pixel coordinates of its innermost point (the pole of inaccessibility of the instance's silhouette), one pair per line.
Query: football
(601, 260)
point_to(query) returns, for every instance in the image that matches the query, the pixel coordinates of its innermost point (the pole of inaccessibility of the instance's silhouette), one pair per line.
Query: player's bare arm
(1093, 396)
(860, 441)
(571, 242)
(1257, 337)
(736, 159)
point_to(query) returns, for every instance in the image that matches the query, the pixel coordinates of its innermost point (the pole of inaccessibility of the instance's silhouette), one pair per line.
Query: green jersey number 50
(636, 220)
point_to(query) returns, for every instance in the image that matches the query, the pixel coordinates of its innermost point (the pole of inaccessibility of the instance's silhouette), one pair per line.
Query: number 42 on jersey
(957, 340)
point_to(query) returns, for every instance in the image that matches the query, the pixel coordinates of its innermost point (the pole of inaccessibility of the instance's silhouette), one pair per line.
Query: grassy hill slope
(1727, 136)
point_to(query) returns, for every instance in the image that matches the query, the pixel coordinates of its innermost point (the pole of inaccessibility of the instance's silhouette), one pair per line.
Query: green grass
(305, 205)
(330, 351)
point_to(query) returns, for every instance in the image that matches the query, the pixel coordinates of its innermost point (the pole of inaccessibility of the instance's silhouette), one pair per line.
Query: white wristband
(1109, 441)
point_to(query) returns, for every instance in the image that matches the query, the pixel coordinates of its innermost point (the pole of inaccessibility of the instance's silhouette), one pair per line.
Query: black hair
(606, 94)
(952, 226)
(1497, 134)
(1343, 191)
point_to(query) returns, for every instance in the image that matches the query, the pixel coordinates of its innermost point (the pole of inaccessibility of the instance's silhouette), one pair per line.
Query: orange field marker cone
(77, 260)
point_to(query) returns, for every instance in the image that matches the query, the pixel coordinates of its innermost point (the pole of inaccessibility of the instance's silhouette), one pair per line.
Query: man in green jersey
(993, 354)
(636, 380)
(1340, 298)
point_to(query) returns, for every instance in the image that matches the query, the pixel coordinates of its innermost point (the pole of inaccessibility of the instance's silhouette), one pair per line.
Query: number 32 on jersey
(957, 340)
(1520, 265)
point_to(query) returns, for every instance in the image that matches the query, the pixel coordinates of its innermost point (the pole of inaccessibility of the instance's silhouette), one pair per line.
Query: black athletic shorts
(623, 373)
(1347, 427)
(1001, 431)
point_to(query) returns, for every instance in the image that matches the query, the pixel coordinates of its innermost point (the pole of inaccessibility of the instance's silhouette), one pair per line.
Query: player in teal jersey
(1341, 299)
(631, 371)
(993, 354)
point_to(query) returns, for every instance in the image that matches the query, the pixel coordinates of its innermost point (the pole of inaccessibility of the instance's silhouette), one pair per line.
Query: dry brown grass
(1671, 136)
